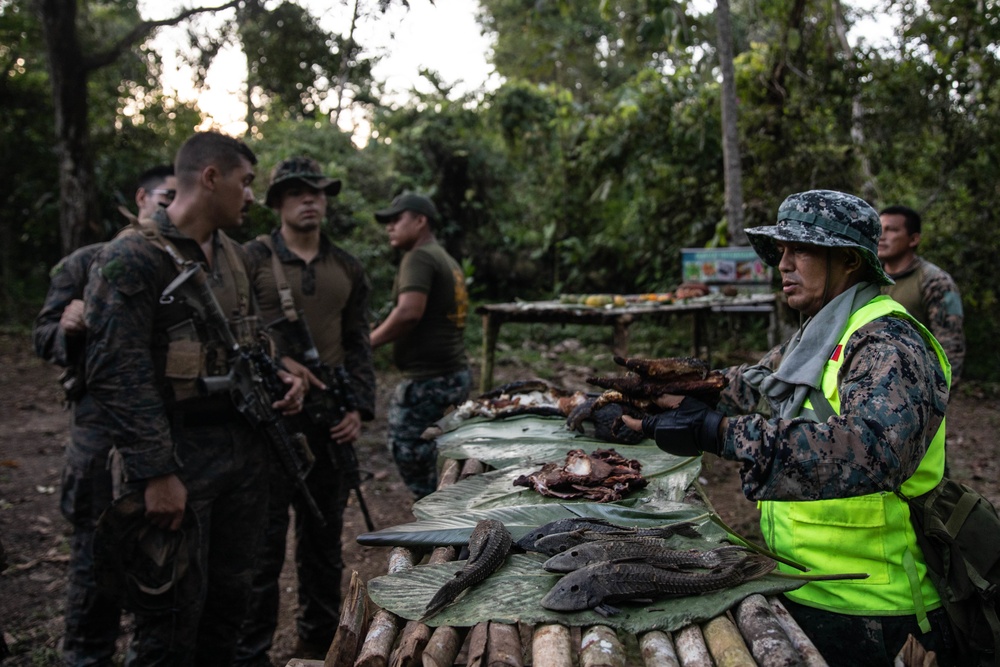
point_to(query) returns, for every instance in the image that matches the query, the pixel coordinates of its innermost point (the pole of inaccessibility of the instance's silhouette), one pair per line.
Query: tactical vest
(193, 349)
(870, 533)
(909, 293)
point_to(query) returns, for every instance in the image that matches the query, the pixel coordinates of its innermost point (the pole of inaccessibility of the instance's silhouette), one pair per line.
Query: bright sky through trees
(443, 37)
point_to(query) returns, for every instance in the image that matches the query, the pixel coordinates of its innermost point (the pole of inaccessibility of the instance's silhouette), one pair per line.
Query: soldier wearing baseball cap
(426, 328)
(827, 426)
(408, 201)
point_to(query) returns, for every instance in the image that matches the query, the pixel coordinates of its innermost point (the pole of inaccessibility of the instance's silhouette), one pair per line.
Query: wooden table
(619, 318)
(756, 631)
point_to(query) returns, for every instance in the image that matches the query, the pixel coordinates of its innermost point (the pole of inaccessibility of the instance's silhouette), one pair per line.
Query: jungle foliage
(589, 168)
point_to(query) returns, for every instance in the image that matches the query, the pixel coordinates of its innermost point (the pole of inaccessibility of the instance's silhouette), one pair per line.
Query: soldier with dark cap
(426, 327)
(150, 352)
(300, 273)
(828, 426)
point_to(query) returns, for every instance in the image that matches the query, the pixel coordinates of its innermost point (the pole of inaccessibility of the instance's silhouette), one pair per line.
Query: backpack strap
(148, 228)
(284, 288)
(239, 273)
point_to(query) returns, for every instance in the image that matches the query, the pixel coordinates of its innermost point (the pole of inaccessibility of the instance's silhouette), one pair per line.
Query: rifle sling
(149, 230)
(284, 288)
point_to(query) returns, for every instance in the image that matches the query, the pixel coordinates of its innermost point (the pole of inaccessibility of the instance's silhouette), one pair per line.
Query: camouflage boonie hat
(302, 169)
(824, 218)
(146, 568)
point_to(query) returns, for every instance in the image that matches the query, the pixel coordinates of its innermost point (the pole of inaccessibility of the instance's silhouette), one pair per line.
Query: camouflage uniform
(158, 431)
(415, 405)
(328, 301)
(92, 617)
(893, 398)
(893, 395)
(931, 296)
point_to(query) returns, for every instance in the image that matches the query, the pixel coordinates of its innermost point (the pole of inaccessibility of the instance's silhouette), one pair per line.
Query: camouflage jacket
(129, 332)
(68, 279)
(332, 291)
(931, 296)
(893, 397)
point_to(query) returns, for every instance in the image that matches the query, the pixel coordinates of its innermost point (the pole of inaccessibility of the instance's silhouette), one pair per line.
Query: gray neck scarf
(801, 368)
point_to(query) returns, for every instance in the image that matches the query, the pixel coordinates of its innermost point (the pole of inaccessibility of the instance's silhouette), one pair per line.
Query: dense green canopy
(596, 160)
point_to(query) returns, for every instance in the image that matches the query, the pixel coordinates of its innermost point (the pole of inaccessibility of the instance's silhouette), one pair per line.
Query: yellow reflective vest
(870, 533)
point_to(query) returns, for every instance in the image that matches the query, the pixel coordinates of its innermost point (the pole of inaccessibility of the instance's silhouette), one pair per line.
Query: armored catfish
(488, 547)
(597, 586)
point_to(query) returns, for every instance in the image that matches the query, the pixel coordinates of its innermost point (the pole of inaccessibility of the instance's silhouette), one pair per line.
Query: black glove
(689, 430)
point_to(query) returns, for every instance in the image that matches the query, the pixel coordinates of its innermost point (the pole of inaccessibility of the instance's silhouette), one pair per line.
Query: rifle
(252, 383)
(325, 409)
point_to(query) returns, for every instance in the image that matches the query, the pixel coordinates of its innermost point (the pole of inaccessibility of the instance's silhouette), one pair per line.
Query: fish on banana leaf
(599, 526)
(646, 550)
(600, 585)
(488, 547)
(559, 542)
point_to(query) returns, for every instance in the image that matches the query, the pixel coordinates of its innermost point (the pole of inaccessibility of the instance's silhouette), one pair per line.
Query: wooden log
(472, 467)
(478, 638)
(411, 645)
(503, 646)
(600, 647)
(449, 473)
(807, 650)
(551, 647)
(400, 559)
(351, 628)
(725, 643)
(768, 641)
(415, 634)
(658, 650)
(443, 647)
(385, 625)
(691, 649)
(378, 643)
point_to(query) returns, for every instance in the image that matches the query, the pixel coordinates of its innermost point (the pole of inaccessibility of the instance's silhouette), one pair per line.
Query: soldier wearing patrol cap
(828, 426)
(426, 328)
(327, 289)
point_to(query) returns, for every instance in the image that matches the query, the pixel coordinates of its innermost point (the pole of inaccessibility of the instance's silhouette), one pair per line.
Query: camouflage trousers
(318, 562)
(415, 405)
(92, 617)
(871, 641)
(223, 467)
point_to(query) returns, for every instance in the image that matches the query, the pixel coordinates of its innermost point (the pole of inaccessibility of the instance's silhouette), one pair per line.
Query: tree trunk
(78, 210)
(869, 189)
(732, 169)
(346, 62)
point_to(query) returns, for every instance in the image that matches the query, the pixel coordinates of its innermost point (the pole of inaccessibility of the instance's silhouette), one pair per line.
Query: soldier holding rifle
(314, 297)
(157, 337)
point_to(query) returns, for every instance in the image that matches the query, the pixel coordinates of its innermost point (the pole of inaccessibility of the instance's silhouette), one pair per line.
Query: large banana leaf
(454, 529)
(668, 477)
(511, 428)
(514, 592)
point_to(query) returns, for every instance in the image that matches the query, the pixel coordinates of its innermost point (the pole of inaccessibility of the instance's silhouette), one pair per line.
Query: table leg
(619, 339)
(699, 327)
(491, 329)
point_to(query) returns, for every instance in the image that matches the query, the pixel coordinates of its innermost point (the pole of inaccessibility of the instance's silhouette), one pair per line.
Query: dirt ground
(34, 430)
